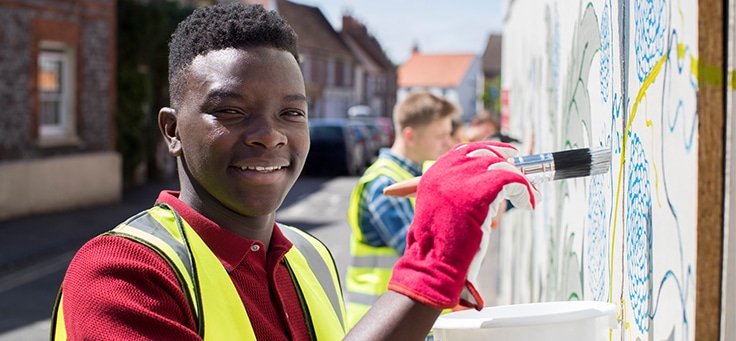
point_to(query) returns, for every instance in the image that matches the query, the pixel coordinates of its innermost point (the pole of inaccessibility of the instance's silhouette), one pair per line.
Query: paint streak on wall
(618, 74)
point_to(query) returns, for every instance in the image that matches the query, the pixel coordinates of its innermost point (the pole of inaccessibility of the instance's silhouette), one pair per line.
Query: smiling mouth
(261, 169)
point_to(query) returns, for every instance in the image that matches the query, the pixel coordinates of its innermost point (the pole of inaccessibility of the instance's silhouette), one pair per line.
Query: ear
(408, 134)
(167, 123)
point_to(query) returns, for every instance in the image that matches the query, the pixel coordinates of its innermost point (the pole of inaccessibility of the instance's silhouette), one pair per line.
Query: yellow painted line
(650, 78)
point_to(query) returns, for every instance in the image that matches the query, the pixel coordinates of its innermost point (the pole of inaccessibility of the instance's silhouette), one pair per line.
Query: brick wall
(87, 25)
(77, 165)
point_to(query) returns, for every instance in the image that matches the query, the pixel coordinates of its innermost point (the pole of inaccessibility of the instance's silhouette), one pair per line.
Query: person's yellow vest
(370, 266)
(212, 296)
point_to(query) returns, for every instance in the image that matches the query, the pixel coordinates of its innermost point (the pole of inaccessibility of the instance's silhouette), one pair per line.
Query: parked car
(338, 147)
(387, 128)
(381, 126)
(372, 136)
(381, 133)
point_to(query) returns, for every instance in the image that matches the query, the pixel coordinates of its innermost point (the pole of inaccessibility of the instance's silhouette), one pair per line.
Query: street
(35, 251)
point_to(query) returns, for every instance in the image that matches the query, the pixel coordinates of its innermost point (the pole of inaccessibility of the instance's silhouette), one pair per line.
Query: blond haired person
(423, 124)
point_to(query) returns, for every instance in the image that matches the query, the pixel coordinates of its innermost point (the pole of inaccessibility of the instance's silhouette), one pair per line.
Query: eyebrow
(295, 97)
(220, 94)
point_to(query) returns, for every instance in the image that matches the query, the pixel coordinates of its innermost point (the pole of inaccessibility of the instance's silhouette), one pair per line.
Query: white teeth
(261, 169)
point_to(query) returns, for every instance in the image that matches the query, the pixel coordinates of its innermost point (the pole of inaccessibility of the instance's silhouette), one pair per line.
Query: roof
(441, 70)
(492, 56)
(314, 32)
(368, 63)
(356, 35)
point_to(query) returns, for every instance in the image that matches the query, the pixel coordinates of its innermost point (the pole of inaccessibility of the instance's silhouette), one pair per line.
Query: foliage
(492, 95)
(142, 78)
(134, 92)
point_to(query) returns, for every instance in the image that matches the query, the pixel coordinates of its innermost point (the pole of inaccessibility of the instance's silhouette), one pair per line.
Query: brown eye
(227, 113)
(294, 114)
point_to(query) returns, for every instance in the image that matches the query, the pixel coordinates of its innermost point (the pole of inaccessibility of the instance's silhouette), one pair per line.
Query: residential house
(491, 59)
(458, 77)
(327, 63)
(375, 75)
(57, 126)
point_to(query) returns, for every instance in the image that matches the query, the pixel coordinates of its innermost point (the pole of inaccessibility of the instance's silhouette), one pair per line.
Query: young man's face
(243, 128)
(433, 139)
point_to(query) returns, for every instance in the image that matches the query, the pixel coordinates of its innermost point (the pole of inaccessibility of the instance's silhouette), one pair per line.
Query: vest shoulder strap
(167, 243)
(315, 252)
(385, 166)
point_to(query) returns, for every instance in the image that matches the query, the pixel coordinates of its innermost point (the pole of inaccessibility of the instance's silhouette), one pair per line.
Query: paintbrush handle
(537, 168)
(536, 171)
(408, 188)
(403, 189)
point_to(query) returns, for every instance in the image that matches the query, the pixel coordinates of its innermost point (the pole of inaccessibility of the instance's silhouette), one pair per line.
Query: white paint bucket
(550, 321)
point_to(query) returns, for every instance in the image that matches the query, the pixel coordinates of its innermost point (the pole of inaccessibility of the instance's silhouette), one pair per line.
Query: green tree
(492, 94)
(144, 30)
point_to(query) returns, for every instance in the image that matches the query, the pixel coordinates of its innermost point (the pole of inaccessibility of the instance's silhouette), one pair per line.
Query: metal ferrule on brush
(537, 168)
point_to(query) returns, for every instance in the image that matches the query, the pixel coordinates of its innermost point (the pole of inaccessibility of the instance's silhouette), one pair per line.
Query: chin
(259, 207)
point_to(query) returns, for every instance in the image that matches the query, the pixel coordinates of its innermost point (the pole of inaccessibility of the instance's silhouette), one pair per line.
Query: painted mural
(619, 75)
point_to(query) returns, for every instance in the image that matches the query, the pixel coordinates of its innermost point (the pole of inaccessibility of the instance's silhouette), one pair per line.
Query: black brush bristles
(581, 162)
(600, 160)
(572, 163)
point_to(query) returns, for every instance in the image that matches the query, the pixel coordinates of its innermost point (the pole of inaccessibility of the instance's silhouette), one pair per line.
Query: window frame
(65, 129)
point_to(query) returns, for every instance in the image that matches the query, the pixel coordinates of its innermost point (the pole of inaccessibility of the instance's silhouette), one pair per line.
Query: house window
(348, 74)
(380, 85)
(319, 71)
(339, 73)
(55, 92)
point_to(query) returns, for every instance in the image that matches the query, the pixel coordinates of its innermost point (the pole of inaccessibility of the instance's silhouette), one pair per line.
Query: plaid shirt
(384, 220)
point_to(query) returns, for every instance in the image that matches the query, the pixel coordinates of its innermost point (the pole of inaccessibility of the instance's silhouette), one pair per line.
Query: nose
(264, 134)
(448, 142)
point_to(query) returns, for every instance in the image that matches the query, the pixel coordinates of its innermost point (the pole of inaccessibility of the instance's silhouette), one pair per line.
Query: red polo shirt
(118, 289)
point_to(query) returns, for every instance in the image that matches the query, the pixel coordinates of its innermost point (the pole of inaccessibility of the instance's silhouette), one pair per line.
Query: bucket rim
(526, 314)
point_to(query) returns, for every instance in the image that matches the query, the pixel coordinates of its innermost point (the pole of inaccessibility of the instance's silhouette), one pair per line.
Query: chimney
(347, 22)
(267, 4)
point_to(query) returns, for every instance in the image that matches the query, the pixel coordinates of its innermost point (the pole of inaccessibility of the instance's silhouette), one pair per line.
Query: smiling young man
(210, 261)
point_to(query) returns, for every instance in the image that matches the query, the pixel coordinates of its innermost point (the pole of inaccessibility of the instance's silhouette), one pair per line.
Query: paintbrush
(537, 168)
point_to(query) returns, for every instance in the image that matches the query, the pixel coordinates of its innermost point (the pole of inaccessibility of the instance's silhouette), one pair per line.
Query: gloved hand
(454, 197)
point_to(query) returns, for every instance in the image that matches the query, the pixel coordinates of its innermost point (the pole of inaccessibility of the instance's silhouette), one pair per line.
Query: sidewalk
(35, 251)
(28, 240)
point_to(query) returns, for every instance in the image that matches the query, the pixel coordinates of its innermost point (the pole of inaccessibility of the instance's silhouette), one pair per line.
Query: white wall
(587, 74)
(61, 183)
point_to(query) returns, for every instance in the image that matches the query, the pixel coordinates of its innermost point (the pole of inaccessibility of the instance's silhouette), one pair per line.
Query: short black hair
(218, 27)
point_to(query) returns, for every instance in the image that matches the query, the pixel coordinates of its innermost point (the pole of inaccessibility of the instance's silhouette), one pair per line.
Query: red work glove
(454, 198)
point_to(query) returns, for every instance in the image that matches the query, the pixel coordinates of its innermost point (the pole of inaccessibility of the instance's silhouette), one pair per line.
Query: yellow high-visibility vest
(370, 266)
(212, 296)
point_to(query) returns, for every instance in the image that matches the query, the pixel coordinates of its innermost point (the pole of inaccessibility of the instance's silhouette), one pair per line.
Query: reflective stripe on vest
(213, 293)
(370, 266)
(318, 267)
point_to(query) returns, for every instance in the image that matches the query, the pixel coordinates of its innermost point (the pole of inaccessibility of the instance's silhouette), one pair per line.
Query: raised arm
(444, 243)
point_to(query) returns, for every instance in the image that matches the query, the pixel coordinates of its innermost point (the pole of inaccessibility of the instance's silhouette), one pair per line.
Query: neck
(400, 149)
(249, 227)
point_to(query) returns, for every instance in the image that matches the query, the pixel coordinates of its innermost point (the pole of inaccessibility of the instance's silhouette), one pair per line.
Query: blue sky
(459, 26)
